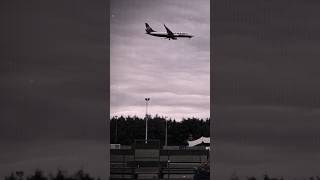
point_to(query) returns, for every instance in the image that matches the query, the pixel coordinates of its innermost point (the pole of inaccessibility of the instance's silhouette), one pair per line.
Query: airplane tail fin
(149, 29)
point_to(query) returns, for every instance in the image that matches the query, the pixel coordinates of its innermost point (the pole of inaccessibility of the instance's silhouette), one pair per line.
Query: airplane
(167, 35)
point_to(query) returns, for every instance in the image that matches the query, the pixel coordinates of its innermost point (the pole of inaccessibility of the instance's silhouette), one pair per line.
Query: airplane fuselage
(165, 35)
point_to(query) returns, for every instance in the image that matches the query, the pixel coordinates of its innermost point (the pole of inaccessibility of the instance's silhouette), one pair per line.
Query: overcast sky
(265, 72)
(266, 88)
(174, 74)
(53, 86)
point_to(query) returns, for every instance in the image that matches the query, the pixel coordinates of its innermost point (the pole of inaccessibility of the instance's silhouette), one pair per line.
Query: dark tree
(38, 175)
(11, 177)
(252, 178)
(125, 129)
(59, 176)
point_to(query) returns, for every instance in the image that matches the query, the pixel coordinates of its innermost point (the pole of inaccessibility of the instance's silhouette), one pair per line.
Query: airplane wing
(170, 33)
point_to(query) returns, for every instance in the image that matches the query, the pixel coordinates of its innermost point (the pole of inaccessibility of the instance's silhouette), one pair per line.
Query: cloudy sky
(264, 69)
(174, 74)
(53, 86)
(266, 88)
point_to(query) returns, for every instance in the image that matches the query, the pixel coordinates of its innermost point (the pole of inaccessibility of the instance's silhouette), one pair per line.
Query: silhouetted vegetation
(61, 175)
(125, 129)
(267, 177)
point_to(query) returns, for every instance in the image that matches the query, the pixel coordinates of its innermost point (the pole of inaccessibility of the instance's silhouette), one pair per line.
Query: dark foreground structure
(150, 161)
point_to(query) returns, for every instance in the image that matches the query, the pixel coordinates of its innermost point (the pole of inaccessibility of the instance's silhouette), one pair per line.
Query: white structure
(115, 146)
(205, 140)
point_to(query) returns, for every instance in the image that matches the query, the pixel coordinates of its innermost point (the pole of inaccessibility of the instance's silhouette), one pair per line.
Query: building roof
(205, 140)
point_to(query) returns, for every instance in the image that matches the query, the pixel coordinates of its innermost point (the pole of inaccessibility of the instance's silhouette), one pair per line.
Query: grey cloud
(266, 92)
(53, 82)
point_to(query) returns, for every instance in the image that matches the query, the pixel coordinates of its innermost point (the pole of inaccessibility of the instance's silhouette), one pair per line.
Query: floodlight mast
(147, 102)
(166, 138)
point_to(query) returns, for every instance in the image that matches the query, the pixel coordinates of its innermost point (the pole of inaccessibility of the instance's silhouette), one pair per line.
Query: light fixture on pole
(147, 101)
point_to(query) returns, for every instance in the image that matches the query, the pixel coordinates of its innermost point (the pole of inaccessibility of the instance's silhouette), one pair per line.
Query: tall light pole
(166, 140)
(147, 101)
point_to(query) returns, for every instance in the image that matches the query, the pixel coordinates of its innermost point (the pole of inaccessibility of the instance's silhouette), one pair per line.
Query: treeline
(267, 177)
(125, 129)
(61, 175)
